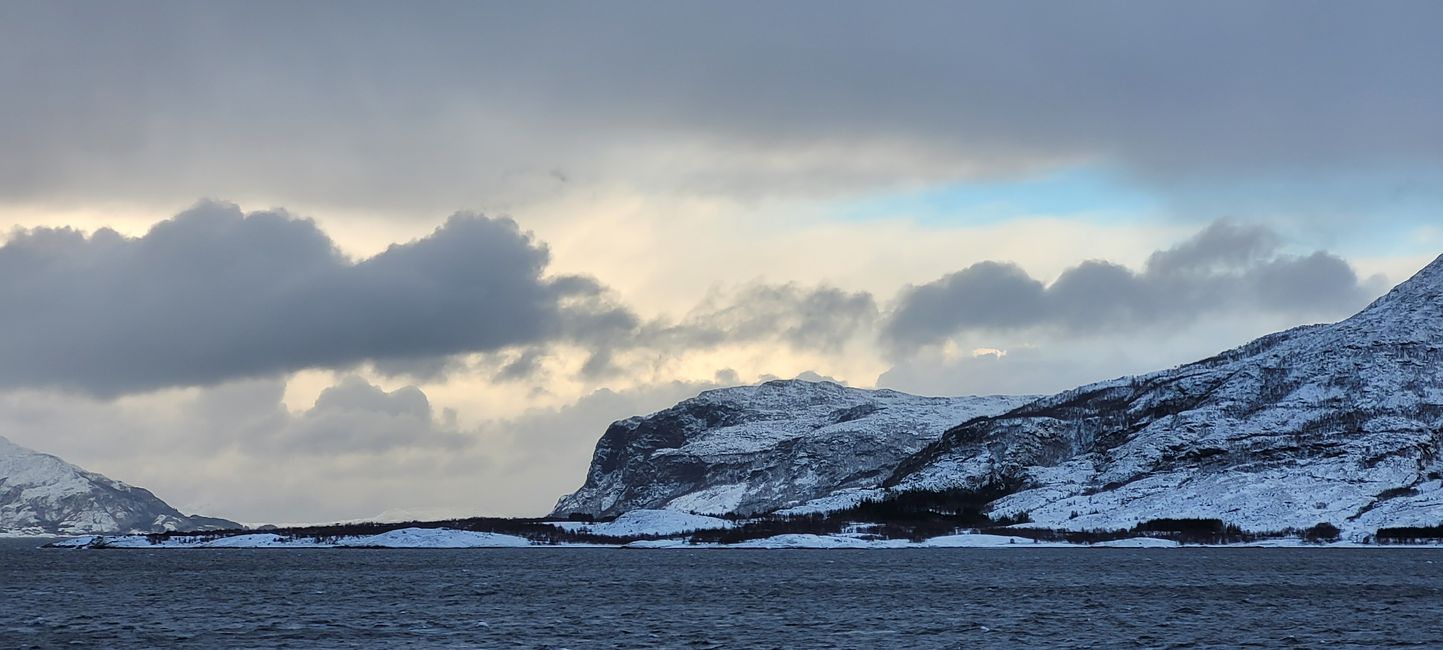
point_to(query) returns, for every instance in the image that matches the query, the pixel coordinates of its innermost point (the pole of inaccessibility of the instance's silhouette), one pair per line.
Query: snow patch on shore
(435, 538)
(819, 542)
(643, 523)
(1139, 542)
(982, 540)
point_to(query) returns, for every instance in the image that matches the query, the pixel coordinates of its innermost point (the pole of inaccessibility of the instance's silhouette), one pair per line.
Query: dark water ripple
(574, 598)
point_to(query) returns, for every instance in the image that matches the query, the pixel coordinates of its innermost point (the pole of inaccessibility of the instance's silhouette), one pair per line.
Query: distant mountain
(43, 495)
(1339, 423)
(754, 449)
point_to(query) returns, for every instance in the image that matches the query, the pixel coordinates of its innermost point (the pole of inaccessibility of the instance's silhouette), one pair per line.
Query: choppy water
(573, 598)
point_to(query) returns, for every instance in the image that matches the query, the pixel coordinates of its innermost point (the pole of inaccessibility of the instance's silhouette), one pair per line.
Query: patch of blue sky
(1075, 192)
(1373, 211)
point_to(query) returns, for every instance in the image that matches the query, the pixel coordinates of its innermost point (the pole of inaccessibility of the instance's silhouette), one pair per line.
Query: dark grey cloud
(215, 294)
(1225, 268)
(354, 416)
(1223, 245)
(356, 394)
(382, 104)
(421, 369)
(985, 295)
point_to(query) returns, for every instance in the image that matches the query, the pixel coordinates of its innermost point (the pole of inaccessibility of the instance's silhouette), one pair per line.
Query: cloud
(807, 318)
(985, 295)
(352, 417)
(412, 107)
(1034, 364)
(564, 436)
(236, 450)
(355, 416)
(215, 294)
(1015, 372)
(1225, 268)
(816, 319)
(525, 365)
(805, 375)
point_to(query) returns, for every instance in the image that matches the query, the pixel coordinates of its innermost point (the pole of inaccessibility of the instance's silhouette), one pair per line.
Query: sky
(287, 263)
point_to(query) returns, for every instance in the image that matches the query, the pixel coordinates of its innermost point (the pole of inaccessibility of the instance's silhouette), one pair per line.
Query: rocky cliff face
(43, 495)
(759, 448)
(1339, 423)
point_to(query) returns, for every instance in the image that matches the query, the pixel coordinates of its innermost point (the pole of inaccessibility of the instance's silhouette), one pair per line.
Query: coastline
(443, 538)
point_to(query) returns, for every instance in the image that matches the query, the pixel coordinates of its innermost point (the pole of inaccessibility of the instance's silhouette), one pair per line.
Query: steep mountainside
(758, 448)
(41, 494)
(1339, 423)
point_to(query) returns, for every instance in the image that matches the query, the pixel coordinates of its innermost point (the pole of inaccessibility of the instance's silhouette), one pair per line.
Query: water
(602, 598)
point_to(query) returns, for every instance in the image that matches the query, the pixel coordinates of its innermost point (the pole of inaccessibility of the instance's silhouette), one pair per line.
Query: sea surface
(606, 598)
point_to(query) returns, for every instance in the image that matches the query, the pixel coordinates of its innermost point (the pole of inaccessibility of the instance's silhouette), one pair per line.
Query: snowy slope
(759, 448)
(41, 494)
(1339, 423)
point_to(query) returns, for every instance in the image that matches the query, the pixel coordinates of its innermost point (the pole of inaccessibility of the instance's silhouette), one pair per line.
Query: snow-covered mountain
(1337, 423)
(43, 495)
(755, 449)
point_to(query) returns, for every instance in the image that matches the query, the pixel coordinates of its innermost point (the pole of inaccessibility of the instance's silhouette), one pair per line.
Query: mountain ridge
(1338, 422)
(751, 449)
(42, 494)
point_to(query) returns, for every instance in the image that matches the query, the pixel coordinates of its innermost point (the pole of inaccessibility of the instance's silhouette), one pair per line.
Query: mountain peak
(42, 494)
(757, 448)
(1411, 312)
(1434, 268)
(1336, 423)
(1426, 284)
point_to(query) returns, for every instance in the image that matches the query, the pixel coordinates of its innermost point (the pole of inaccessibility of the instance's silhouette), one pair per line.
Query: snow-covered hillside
(1336, 423)
(43, 495)
(755, 449)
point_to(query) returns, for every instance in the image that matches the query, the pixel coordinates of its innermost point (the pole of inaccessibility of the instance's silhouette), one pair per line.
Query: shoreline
(449, 539)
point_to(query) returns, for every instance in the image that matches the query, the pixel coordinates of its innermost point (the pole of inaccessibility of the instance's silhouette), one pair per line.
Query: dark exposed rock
(759, 448)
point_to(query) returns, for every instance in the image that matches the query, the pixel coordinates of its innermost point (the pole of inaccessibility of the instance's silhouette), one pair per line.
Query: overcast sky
(286, 262)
